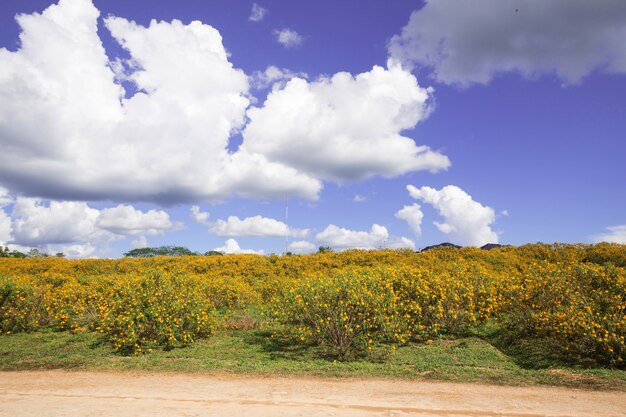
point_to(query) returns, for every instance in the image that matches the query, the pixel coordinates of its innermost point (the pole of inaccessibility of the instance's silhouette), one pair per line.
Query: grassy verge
(254, 352)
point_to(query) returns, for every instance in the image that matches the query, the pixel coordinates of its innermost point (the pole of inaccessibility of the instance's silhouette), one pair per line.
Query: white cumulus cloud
(37, 224)
(75, 228)
(254, 226)
(231, 246)
(466, 221)
(471, 42)
(413, 216)
(68, 132)
(614, 234)
(257, 13)
(345, 127)
(339, 237)
(289, 38)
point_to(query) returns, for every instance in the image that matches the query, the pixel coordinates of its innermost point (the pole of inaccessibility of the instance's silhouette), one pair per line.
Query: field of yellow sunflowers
(572, 297)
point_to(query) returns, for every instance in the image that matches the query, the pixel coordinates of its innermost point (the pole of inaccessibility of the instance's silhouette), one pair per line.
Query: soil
(63, 393)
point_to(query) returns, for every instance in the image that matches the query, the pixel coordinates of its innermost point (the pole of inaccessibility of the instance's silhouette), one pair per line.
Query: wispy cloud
(289, 38)
(257, 13)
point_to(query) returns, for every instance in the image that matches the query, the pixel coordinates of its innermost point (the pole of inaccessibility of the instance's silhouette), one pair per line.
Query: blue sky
(506, 120)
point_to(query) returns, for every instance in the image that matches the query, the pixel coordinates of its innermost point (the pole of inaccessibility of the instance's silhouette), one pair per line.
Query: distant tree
(213, 253)
(60, 255)
(324, 249)
(36, 253)
(6, 253)
(177, 251)
(160, 251)
(141, 253)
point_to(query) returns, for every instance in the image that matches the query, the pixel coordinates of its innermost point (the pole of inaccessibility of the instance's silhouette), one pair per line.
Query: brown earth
(62, 393)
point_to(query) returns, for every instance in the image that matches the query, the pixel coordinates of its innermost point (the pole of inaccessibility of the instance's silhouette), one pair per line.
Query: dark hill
(441, 245)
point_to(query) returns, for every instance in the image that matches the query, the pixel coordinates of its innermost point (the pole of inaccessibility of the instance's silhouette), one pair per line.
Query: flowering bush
(346, 311)
(159, 309)
(571, 295)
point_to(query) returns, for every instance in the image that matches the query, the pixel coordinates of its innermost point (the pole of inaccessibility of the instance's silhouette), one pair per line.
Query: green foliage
(160, 251)
(6, 253)
(324, 249)
(36, 253)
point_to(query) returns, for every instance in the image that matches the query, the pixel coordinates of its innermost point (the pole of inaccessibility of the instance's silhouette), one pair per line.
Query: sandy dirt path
(59, 393)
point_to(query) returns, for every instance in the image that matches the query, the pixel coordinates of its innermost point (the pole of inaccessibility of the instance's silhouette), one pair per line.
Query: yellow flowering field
(572, 296)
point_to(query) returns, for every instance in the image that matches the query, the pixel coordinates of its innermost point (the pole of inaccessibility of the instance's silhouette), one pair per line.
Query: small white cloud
(6, 228)
(200, 217)
(466, 221)
(338, 237)
(231, 246)
(125, 220)
(139, 243)
(413, 216)
(275, 77)
(257, 13)
(301, 246)
(73, 251)
(254, 226)
(614, 234)
(359, 198)
(504, 213)
(401, 243)
(5, 197)
(289, 38)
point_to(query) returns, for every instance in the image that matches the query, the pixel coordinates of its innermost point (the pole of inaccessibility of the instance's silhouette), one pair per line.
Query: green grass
(254, 352)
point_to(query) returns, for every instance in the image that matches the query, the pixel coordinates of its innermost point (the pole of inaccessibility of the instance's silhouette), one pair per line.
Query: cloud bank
(338, 237)
(254, 226)
(70, 130)
(471, 42)
(76, 228)
(614, 234)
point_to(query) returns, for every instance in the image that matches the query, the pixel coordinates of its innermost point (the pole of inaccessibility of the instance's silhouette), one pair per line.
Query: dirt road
(58, 393)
